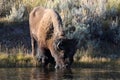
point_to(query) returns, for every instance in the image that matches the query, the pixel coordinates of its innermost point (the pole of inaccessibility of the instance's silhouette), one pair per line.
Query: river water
(52, 74)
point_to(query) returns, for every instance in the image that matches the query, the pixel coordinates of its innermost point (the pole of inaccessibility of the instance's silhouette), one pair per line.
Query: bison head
(66, 49)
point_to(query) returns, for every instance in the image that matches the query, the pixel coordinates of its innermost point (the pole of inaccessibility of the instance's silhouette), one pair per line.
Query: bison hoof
(56, 66)
(41, 59)
(60, 66)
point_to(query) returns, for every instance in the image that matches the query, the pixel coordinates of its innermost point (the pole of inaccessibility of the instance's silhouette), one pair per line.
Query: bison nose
(67, 63)
(67, 60)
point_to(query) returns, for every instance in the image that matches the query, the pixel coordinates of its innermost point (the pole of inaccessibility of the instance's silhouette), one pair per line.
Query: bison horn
(60, 45)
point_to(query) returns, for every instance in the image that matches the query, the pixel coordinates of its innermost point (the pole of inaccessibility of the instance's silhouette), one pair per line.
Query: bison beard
(49, 43)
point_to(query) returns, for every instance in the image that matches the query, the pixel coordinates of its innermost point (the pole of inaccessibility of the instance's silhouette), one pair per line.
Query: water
(51, 74)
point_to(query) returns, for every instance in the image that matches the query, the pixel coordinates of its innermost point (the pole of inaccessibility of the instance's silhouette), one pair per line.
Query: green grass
(18, 60)
(26, 60)
(97, 62)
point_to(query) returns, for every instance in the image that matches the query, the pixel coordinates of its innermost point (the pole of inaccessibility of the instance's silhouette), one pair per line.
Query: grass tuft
(18, 60)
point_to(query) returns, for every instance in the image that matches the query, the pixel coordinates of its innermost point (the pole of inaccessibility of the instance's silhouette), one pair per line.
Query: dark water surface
(51, 74)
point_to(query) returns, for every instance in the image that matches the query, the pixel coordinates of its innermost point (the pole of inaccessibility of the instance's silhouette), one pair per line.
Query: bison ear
(66, 44)
(72, 43)
(69, 44)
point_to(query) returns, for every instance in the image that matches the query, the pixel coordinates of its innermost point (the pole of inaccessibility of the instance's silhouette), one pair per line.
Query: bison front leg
(58, 59)
(41, 57)
(35, 47)
(59, 63)
(37, 51)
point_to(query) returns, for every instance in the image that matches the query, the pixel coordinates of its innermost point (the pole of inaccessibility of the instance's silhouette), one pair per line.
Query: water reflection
(98, 74)
(51, 74)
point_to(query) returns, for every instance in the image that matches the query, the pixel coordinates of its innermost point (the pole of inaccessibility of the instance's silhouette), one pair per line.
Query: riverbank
(17, 60)
(26, 60)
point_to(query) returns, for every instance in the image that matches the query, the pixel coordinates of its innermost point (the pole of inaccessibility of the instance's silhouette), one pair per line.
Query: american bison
(48, 40)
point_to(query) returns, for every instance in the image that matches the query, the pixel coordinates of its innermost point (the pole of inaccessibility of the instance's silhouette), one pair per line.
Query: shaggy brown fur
(46, 31)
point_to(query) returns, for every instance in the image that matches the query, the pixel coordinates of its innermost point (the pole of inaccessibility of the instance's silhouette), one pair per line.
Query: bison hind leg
(34, 46)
